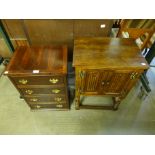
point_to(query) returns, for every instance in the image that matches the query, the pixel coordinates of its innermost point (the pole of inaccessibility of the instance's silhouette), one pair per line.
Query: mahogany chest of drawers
(39, 74)
(106, 66)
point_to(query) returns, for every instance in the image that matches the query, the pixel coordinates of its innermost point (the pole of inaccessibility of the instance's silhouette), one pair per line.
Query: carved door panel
(117, 82)
(90, 81)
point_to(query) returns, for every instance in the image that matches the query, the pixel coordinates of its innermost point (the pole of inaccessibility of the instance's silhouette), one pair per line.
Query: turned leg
(21, 97)
(116, 102)
(77, 100)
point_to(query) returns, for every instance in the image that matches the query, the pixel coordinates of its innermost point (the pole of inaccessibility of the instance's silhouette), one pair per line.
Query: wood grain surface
(46, 59)
(107, 53)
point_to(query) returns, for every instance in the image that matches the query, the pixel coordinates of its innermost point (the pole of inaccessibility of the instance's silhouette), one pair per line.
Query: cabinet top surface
(38, 59)
(107, 53)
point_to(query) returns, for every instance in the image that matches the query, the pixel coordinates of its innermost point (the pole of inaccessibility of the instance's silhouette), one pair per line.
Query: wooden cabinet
(106, 66)
(39, 74)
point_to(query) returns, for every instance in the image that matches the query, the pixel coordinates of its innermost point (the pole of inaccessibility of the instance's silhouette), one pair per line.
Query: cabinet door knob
(29, 92)
(103, 83)
(23, 81)
(33, 99)
(56, 91)
(53, 81)
(107, 83)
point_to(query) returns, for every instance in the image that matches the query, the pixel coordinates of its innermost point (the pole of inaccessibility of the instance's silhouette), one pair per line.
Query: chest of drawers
(39, 74)
(106, 67)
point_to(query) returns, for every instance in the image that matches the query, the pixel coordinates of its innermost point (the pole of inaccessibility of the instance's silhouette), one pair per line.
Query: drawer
(48, 106)
(51, 99)
(38, 80)
(43, 90)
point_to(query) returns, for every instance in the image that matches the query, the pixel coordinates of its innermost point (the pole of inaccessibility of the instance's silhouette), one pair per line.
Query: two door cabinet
(106, 67)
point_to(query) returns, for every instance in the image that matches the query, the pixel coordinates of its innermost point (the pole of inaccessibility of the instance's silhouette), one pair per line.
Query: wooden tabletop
(107, 53)
(45, 59)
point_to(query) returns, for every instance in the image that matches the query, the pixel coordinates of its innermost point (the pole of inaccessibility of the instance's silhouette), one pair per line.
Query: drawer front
(49, 90)
(51, 99)
(48, 106)
(38, 80)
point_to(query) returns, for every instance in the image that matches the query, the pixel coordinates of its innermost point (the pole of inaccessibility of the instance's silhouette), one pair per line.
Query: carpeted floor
(135, 116)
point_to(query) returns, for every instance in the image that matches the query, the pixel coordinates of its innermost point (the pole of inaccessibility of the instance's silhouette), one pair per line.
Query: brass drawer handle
(23, 81)
(33, 99)
(38, 106)
(59, 106)
(53, 81)
(56, 91)
(58, 99)
(29, 92)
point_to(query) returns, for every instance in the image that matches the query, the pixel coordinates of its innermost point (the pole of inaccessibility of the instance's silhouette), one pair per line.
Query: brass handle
(29, 91)
(23, 81)
(59, 106)
(58, 99)
(38, 106)
(56, 91)
(53, 81)
(33, 99)
(133, 75)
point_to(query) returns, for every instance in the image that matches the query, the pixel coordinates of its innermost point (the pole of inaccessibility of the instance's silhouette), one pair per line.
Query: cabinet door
(114, 83)
(90, 81)
(118, 82)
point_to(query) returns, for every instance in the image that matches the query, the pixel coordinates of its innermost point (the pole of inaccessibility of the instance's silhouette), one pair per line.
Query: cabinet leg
(21, 97)
(116, 102)
(77, 102)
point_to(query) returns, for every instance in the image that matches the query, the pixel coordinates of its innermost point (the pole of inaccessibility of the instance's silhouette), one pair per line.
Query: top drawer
(38, 80)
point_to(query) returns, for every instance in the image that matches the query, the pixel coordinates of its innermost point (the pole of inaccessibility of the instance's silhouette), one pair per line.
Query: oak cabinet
(106, 66)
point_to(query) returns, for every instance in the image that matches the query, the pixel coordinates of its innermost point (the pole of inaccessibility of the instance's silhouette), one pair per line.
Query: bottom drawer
(57, 99)
(48, 106)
